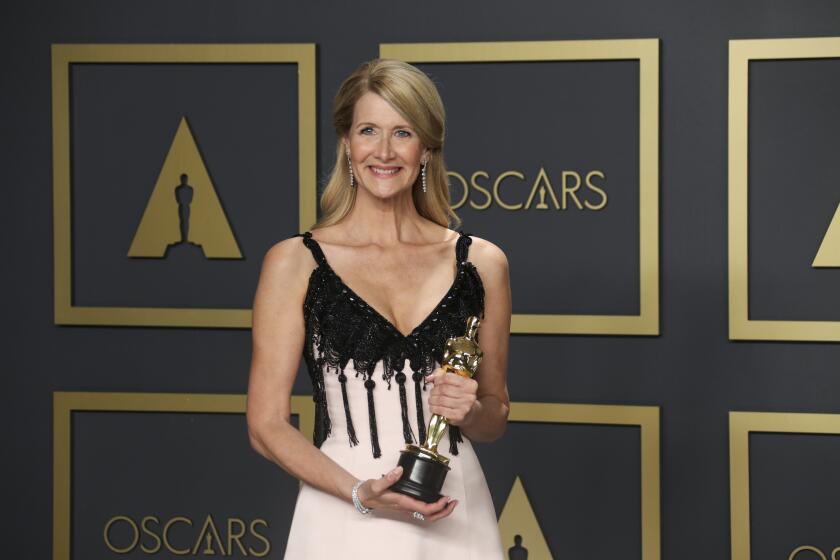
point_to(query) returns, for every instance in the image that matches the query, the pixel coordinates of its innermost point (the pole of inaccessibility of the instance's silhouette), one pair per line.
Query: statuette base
(423, 474)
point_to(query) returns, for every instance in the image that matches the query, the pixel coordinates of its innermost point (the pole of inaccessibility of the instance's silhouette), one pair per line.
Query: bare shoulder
(489, 259)
(330, 235)
(491, 263)
(289, 253)
(277, 322)
(287, 263)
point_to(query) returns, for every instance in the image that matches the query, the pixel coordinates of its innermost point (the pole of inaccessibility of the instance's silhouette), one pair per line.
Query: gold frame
(65, 403)
(741, 52)
(741, 424)
(646, 417)
(63, 55)
(646, 51)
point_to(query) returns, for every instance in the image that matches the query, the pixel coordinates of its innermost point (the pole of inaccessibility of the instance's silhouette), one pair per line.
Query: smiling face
(385, 151)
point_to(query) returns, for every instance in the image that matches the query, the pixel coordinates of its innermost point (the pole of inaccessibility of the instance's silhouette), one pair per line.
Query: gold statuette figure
(424, 469)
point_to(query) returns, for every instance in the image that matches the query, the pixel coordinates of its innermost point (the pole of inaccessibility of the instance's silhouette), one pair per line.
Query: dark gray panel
(244, 120)
(558, 116)
(794, 187)
(793, 493)
(582, 482)
(167, 465)
(691, 370)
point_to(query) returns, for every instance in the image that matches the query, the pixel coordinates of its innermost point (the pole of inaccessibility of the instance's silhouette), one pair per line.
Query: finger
(436, 375)
(450, 377)
(449, 413)
(453, 387)
(458, 382)
(442, 377)
(445, 401)
(436, 507)
(454, 391)
(409, 504)
(443, 513)
(380, 485)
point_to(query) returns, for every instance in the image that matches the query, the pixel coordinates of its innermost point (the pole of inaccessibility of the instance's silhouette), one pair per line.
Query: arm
(480, 406)
(278, 336)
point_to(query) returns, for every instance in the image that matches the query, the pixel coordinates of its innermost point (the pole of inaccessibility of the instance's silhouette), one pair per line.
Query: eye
(403, 134)
(368, 130)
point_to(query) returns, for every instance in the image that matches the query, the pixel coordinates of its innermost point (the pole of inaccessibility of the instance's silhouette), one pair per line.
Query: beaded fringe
(454, 439)
(374, 436)
(418, 402)
(323, 425)
(408, 435)
(351, 430)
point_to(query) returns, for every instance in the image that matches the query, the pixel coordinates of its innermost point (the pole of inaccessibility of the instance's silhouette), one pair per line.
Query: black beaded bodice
(341, 326)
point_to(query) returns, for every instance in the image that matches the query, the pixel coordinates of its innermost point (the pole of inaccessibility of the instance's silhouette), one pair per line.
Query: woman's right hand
(375, 493)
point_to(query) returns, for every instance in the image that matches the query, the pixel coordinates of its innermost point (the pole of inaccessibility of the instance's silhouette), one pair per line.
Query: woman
(373, 349)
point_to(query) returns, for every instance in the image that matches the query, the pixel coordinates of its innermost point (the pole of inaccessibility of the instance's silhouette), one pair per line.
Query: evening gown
(370, 400)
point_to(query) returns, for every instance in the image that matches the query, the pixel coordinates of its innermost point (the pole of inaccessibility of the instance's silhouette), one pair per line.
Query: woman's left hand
(452, 396)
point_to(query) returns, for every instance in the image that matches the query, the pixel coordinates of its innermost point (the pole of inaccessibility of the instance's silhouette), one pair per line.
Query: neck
(384, 221)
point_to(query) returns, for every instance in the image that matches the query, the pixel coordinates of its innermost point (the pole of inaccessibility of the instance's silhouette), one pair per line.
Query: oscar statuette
(424, 469)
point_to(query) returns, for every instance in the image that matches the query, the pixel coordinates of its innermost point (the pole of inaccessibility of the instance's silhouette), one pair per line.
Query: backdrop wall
(621, 162)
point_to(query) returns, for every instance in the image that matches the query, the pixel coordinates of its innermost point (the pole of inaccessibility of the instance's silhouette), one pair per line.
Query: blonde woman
(368, 298)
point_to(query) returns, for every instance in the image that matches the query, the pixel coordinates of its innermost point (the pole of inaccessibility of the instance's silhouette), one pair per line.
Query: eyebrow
(377, 126)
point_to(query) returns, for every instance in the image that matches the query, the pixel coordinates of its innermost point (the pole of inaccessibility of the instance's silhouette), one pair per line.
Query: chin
(385, 189)
(384, 192)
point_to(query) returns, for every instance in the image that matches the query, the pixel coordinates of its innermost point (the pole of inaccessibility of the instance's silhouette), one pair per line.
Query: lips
(384, 171)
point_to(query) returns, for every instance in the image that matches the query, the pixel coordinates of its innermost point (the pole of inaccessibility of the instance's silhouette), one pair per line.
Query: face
(385, 151)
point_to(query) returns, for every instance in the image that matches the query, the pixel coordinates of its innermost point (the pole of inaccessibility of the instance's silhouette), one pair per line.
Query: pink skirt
(327, 527)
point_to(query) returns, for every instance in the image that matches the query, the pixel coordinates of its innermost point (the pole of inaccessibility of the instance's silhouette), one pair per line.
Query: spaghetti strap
(462, 247)
(313, 246)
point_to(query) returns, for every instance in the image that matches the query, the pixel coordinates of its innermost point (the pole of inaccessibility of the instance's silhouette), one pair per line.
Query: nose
(384, 149)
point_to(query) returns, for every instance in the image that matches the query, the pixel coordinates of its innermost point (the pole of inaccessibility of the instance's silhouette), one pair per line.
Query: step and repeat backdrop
(663, 178)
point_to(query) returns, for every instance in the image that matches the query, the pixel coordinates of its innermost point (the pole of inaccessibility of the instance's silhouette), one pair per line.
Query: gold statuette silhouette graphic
(518, 526)
(828, 255)
(184, 210)
(424, 469)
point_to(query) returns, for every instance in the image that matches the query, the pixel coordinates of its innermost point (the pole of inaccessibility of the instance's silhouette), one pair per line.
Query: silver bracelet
(356, 501)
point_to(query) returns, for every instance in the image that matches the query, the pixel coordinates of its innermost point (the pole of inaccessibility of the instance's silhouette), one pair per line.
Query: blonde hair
(413, 95)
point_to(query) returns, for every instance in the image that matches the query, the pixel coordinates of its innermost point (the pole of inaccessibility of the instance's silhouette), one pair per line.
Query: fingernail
(395, 473)
(448, 499)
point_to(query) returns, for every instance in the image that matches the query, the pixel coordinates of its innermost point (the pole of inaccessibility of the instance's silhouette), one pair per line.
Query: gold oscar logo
(184, 213)
(803, 552)
(519, 528)
(578, 191)
(828, 255)
(178, 535)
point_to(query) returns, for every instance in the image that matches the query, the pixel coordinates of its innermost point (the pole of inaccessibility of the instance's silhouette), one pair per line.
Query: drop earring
(423, 175)
(350, 167)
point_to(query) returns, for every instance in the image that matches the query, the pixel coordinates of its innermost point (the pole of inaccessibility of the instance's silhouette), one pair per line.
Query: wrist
(357, 500)
(472, 414)
(344, 488)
